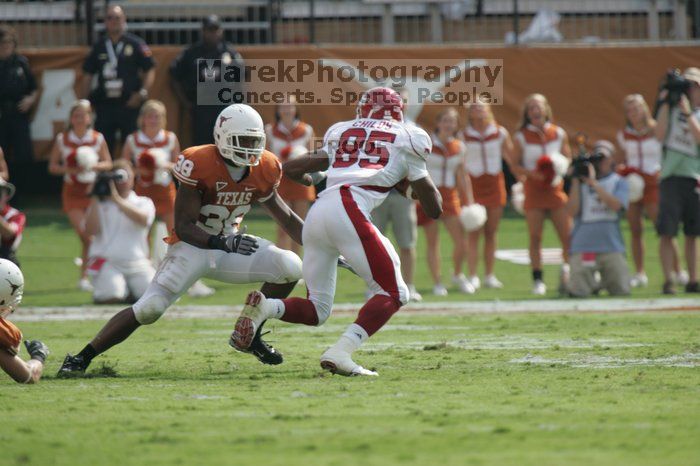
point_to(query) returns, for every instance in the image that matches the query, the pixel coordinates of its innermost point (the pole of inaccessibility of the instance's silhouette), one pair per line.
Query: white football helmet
(11, 287)
(239, 134)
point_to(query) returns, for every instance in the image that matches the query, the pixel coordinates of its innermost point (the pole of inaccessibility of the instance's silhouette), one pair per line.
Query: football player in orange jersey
(11, 288)
(218, 185)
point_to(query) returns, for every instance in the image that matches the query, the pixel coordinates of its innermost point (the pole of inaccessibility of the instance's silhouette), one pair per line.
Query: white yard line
(35, 314)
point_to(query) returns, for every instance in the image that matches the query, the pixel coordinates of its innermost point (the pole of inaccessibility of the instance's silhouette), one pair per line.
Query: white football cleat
(439, 290)
(254, 313)
(474, 280)
(85, 285)
(200, 290)
(639, 280)
(463, 284)
(339, 362)
(413, 294)
(490, 281)
(539, 288)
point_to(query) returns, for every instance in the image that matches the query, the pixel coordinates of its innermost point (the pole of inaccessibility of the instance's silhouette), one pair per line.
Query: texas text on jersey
(224, 201)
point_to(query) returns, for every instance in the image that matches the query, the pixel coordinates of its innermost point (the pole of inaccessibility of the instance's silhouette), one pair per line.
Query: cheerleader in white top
(641, 155)
(446, 167)
(78, 154)
(488, 145)
(536, 141)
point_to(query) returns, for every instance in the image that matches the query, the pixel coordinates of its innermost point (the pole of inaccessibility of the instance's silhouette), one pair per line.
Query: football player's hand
(37, 350)
(342, 263)
(241, 243)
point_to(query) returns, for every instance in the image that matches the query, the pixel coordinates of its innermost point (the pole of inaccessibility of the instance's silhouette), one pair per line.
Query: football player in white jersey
(364, 158)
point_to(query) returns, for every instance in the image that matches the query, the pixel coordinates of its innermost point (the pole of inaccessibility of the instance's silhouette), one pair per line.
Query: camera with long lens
(584, 158)
(676, 85)
(101, 186)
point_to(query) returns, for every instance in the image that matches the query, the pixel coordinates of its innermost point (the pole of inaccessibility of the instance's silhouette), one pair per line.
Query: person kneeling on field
(11, 288)
(119, 222)
(596, 202)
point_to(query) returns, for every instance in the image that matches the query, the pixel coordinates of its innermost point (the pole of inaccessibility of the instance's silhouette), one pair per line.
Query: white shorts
(118, 281)
(336, 225)
(401, 212)
(184, 264)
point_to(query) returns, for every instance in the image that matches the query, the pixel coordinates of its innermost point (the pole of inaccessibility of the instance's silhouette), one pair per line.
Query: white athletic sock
(276, 308)
(352, 339)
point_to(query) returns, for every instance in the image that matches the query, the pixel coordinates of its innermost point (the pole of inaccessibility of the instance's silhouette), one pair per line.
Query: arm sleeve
(330, 141)
(10, 337)
(187, 171)
(144, 56)
(147, 205)
(177, 70)
(19, 220)
(31, 80)
(91, 65)
(273, 178)
(416, 153)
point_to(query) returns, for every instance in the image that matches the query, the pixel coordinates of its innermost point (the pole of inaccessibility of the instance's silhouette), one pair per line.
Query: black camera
(676, 85)
(580, 164)
(101, 186)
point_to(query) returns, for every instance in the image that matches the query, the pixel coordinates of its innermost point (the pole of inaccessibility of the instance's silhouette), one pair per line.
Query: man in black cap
(185, 73)
(125, 73)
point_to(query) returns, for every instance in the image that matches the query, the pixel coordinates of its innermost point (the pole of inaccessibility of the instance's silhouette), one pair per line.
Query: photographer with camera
(678, 126)
(118, 221)
(597, 199)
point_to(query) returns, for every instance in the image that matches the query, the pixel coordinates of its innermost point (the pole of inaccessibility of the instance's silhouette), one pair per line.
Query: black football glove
(37, 350)
(342, 263)
(239, 243)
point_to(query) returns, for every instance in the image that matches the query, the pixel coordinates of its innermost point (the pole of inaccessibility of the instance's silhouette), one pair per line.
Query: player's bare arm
(300, 168)
(188, 202)
(24, 371)
(428, 195)
(284, 216)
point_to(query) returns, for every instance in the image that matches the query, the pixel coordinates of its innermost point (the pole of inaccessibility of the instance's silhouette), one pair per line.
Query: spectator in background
(538, 136)
(446, 167)
(488, 146)
(79, 172)
(641, 154)
(12, 223)
(186, 74)
(125, 73)
(18, 93)
(400, 211)
(284, 138)
(4, 171)
(679, 191)
(596, 203)
(119, 223)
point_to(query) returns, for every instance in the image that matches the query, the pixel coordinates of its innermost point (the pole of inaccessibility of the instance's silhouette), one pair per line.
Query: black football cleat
(73, 366)
(265, 353)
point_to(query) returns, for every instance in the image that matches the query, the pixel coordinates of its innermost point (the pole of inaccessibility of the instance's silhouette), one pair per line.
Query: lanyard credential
(111, 53)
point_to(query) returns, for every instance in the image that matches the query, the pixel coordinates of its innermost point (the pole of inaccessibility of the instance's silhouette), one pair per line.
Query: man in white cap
(678, 126)
(596, 202)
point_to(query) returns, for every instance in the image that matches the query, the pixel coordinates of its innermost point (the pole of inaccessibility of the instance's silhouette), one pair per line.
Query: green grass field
(603, 389)
(49, 247)
(525, 389)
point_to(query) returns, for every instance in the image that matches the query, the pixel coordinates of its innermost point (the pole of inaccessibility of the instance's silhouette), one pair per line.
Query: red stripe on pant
(380, 263)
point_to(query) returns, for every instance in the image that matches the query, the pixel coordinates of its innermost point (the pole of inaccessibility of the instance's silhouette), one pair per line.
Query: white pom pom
(517, 197)
(296, 152)
(86, 157)
(561, 166)
(636, 187)
(162, 177)
(473, 217)
(160, 157)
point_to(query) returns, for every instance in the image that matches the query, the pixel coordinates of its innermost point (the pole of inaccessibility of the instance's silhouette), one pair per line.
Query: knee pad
(289, 266)
(323, 310)
(150, 307)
